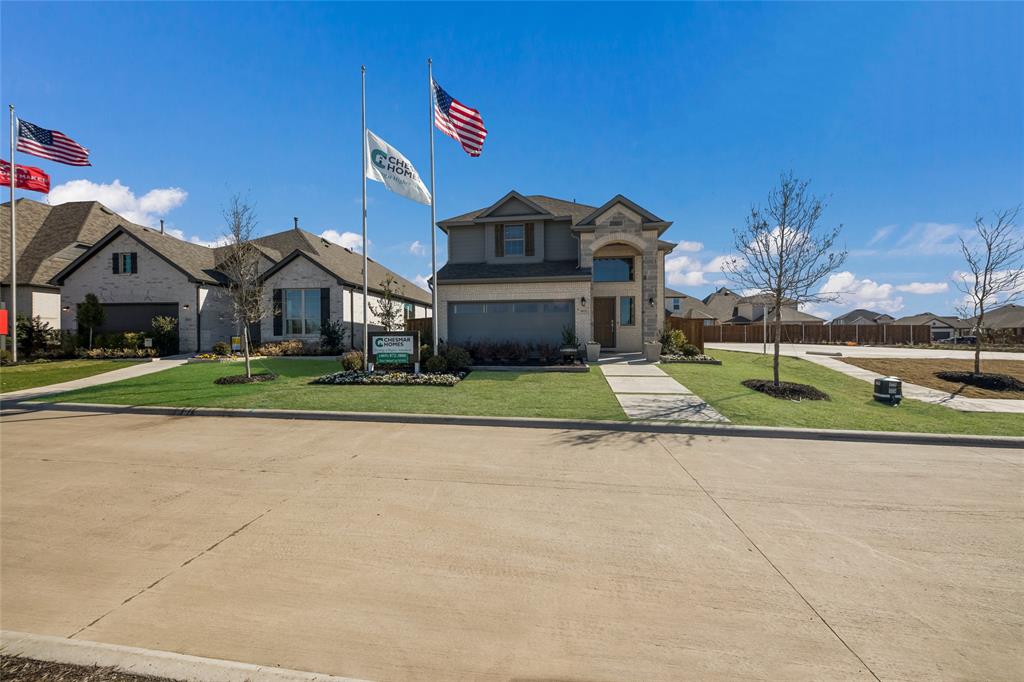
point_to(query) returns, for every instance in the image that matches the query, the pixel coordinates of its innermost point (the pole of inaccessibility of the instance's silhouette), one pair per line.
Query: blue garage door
(520, 321)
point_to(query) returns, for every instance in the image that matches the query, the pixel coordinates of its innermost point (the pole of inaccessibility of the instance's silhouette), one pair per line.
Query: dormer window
(513, 240)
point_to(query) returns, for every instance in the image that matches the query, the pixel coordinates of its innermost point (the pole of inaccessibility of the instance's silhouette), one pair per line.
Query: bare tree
(242, 266)
(783, 254)
(389, 309)
(995, 271)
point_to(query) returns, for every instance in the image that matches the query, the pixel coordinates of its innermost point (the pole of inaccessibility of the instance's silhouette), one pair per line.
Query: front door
(604, 321)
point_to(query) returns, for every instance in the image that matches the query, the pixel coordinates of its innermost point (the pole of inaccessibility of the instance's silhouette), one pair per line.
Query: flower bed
(691, 359)
(361, 378)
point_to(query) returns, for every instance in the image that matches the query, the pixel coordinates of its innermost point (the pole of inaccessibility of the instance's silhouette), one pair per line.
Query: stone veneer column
(650, 289)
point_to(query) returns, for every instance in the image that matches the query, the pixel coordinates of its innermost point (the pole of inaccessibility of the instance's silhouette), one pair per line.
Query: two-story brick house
(526, 267)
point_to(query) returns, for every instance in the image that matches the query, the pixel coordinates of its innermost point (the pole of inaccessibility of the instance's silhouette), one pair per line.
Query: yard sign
(395, 348)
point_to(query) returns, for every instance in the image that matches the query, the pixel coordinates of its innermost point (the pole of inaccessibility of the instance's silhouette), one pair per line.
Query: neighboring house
(942, 327)
(863, 316)
(728, 307)
(48, 239)
(139, 273)
(526, 267)
(1010, 316)
(678, 304)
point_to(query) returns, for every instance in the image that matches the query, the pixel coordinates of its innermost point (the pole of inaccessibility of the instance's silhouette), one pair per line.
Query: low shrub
(357, 377)
(458, 358)
(352, 360)
(436, 364)
(5, 356)
(699, 359)
(221, 348)
(506, 353)
(242, 379)
(332, 337)
(115, 353)
(288, 347)
(165, 334)
(690, 350)
(35, 337)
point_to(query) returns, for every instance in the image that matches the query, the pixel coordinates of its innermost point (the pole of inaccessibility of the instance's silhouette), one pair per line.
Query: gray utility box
(888, 390)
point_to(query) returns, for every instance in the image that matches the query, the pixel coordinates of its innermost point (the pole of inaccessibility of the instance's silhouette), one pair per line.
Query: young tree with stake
(389, 309)
(783, 254)
(241, 265)
(995, 270)
(90, 314)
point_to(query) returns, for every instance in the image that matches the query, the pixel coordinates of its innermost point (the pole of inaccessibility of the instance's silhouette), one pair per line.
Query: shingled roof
(49, 238)
(556, 207)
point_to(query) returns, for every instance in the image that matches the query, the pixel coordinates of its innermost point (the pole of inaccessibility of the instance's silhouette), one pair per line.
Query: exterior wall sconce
(650, 301)
(583, 301)
(66, 308)
(185, 306)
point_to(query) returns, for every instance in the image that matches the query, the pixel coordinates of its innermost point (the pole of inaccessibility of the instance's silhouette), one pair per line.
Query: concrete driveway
(422, 552)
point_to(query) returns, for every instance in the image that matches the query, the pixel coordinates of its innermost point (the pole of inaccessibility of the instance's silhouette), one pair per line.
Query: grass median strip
(36, 374)
(850, 405)
(507, 394)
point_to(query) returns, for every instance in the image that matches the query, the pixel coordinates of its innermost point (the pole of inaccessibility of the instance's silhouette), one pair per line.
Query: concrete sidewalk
(646, 392)
(912, 391)
(130, 371)
(423, 552)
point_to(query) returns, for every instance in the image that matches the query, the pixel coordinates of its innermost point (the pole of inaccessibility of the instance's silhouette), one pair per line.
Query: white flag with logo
(386, 164)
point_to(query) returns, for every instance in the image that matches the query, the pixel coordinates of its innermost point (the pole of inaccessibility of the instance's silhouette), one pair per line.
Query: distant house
(728, 307)
(48, 239)
(1008, 317)
(139, 273)
(863, 316)
(943, 327)
(678, 304)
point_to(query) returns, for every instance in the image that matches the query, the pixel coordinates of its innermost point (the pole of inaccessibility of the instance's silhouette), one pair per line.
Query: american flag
(459, 122)
(50, 144)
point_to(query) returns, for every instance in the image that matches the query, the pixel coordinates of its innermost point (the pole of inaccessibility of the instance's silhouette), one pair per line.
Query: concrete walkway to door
(645, 392)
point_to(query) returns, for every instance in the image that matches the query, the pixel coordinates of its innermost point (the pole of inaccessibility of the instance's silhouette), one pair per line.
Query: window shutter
(278, 320)
(499, 240)
(529, 238)
(325, 307)
(117, 264)
(135, 263)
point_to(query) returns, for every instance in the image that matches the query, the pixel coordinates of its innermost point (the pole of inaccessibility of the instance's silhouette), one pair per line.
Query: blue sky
(909, 117)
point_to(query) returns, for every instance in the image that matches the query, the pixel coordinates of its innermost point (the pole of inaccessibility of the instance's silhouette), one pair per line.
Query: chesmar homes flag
(386, 164)
(28, 177)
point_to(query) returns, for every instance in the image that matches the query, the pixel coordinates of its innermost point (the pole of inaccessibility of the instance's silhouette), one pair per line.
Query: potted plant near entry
(570, 344)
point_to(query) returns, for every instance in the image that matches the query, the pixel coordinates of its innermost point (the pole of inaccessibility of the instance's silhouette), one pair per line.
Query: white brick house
(138, 273)
(526, 267)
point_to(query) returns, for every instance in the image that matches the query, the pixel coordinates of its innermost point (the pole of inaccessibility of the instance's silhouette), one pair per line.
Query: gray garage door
(134, 317)
(520, 321)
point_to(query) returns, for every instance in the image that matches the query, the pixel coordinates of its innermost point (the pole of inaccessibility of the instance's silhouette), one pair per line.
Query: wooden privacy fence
(876, 334)
(694, 329)
(423, 325)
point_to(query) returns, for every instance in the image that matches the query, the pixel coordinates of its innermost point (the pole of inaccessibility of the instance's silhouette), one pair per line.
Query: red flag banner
(28, 177)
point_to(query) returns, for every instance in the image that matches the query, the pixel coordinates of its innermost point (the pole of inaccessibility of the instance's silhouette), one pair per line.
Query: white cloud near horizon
(421, 281)
(923, 287)
(689, 246)
(350, 240)
(218, 241)
(144, 210)
(691, 271)
(861, 293)
(417, 248)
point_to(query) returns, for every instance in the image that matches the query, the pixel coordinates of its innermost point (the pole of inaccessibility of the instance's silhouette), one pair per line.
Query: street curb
(138, 661)
(637, 426)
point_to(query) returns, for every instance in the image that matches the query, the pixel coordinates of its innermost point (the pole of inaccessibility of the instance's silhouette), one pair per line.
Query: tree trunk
(977, 342)
(778, 335)
(90, 338)
(245, 348)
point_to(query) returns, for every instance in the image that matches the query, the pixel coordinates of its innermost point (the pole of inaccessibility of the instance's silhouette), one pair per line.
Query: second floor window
(126, 263)
(613, 269)
(675, 304)
(515, 240)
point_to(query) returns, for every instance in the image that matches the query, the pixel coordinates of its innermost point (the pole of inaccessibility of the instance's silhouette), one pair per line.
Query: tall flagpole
(12, 321)
(366, 273)
(433, 208)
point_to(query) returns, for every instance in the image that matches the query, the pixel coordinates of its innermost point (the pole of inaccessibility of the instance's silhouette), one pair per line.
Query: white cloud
(929, 239)
(880, 234)
(421, 281)
(219, 241)
(690, 271)
(144, 210)
(689, 246)
(862, 293)
(923, 287)
(350, 240)
(417, 249)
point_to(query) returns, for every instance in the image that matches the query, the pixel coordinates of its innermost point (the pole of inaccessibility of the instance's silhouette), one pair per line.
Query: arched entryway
(617, 291)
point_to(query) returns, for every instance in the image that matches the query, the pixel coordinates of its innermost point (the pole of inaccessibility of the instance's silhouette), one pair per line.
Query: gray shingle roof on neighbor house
(870, 316)
(1010, 316)
(925, 318)
(51, 237)
(559, 269)
(689, 307)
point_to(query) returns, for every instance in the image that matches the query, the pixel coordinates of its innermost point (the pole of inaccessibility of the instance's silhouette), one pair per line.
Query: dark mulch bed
(786, 390)
(992, 382)
(15, 669)
(242, 379)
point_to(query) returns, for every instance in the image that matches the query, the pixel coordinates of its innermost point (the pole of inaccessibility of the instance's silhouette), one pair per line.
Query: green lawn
(851, 406)
(512, 394)
(45, 373)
